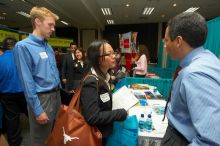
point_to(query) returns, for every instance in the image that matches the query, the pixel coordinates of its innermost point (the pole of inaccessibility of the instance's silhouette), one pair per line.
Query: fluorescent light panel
(23, 14)
(147, 11)
(192, 9)
(64, 22)
(110, 21)
(106, 11)
(2, 18)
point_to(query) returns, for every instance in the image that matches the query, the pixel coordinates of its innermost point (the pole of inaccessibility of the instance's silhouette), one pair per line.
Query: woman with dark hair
(141, 62)
(79, 67)
(96, 96)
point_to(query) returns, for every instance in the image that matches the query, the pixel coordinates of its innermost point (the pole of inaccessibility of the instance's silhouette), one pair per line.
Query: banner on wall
(23, 36)
(58, 42)
(128, 42)
(4, 34)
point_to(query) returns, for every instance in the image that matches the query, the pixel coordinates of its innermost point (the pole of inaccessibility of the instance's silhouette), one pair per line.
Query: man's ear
(179, 41)
(37, 21)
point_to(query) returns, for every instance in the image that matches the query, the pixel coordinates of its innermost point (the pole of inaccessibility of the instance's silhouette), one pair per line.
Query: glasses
(109, 54)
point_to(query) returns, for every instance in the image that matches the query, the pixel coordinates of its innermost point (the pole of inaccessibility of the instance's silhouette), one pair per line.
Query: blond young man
(39, 75)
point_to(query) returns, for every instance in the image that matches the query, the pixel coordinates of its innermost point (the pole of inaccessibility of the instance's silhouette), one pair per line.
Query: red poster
(126, 43)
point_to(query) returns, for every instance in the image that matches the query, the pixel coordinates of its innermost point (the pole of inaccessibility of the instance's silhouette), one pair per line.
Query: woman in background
(79, 67)
(141, 62)
(96, 95)
(119, 71)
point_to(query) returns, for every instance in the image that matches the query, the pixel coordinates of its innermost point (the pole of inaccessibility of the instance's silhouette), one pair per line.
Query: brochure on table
(123, 98)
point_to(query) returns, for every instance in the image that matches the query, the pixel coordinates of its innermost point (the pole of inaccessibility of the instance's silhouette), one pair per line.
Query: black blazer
(97, 108)
(67, 70)
(79, 70)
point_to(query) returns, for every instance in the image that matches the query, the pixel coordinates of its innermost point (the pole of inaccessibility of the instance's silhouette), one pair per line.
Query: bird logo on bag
(67, 137)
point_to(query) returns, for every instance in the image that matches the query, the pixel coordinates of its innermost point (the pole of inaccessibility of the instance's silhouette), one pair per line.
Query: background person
(79, 67)
(67, 68)
(11, 93)
(141, 61)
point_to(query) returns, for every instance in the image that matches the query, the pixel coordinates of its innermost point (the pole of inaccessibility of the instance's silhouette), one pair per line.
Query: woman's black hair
(94, 54)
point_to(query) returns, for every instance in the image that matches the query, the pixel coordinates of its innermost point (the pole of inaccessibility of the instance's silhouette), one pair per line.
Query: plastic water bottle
(148, 123)
(141, 123)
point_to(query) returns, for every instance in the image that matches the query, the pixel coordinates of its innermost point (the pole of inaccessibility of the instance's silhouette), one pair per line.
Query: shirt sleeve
(142, 64)
(24, 66)
(202, 98)
(91, 109)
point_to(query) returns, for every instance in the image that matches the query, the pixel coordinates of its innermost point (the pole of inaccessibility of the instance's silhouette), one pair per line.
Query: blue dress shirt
(37, 69)
(9, 81)
(194, 109)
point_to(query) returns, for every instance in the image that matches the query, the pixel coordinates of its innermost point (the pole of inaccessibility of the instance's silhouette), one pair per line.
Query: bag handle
(75, 101)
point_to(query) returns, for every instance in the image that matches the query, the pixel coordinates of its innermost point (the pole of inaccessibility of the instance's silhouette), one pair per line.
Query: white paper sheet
(123, 98)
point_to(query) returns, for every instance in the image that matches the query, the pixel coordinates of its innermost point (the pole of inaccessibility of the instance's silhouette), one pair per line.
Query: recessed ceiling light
(147, 11)
(192, 9)
(110, 21)
(127, 5)
(23, 14)
(2, 18)
(4, 13)
(106, 11)
(174, 5)
(64, 22)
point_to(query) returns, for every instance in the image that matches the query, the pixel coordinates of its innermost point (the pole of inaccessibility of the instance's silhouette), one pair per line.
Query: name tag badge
(43, 55)
(105, 97)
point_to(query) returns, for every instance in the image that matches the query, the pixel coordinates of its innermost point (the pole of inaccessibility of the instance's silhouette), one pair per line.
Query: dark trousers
(13, 105)
(173, 138)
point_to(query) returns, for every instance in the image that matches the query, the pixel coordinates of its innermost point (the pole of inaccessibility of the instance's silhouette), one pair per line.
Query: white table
(151, 138)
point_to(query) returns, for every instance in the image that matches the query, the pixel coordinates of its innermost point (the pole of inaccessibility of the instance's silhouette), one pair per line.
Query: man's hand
(42, 118)
(113, 78)
(64, 81)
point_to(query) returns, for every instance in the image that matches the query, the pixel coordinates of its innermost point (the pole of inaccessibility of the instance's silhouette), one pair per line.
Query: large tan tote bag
(71, 129)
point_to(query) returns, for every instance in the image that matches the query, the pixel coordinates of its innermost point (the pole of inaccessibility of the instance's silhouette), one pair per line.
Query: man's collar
(190, 56)
(36, 39)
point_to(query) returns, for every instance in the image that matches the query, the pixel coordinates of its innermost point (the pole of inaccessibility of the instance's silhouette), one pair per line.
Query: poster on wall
(128, 42)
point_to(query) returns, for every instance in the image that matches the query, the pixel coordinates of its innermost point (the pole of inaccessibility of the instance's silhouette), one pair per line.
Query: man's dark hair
(93, 55)
(191, 26)
(73, 43)
(8, 43)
